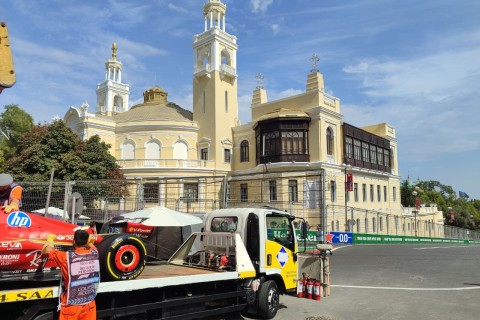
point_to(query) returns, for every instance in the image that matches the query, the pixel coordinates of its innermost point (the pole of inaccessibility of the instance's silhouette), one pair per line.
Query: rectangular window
(204, 154)
(333, 191)
(190, 192)
(292, 191)
(348, 148)
(385, 196)
(373, 154)
(379, 194)
(365, 152)
(380, 156)
(364, 192)
(357, 149)
(394, 194)
(244, 192)
(150, 192)
(227, 155)
(355, 191)
(386, 156)
(272, 187)
(372, 193)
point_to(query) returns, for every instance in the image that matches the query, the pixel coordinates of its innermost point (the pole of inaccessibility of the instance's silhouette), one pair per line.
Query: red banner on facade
(349, 182)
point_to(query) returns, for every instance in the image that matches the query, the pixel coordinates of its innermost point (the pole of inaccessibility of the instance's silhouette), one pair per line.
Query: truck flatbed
(154, 276)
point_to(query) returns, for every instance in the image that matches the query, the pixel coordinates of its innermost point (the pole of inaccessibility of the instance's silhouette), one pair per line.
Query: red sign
(349, 182)
(417, 203)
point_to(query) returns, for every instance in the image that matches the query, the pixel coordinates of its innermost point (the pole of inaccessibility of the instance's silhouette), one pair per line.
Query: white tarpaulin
(162, 217)
(57, 212)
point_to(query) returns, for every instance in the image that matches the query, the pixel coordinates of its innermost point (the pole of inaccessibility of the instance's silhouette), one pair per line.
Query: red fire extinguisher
(316, 290)
(310, 288)
(300, 288)
(305, 282)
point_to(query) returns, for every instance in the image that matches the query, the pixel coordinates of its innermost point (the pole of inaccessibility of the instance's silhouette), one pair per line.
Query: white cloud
(275, 28)
(260, 5)
(173, 7)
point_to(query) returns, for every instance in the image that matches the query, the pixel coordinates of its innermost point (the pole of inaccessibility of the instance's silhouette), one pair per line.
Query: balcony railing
(228, 71)
(164, 163)
(204, 69)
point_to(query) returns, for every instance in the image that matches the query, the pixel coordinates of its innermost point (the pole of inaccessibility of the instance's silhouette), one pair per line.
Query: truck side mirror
(304, 229)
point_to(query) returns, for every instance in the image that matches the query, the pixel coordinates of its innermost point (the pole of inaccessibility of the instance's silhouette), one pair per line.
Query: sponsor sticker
(19, 219)
(11, 245)
(29, 294)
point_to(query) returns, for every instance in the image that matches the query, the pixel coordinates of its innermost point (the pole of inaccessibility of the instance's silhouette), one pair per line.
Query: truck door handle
(269, 259)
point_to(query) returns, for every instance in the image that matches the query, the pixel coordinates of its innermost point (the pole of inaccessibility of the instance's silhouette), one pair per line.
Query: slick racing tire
(122, 257)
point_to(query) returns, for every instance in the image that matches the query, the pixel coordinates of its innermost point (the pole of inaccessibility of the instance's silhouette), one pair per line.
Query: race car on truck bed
(23, 234)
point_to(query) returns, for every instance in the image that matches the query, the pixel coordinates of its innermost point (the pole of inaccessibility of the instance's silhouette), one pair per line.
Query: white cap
(5, 179)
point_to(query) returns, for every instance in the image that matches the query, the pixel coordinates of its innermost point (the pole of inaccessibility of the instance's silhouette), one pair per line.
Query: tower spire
(112, 94)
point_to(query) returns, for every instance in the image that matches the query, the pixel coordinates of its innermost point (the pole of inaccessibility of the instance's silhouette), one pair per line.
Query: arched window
(244, 155)
(225, 57)
(180, 150)
(128, 150)
(374, 225)
(118, 104)
(329, 141)
(358, 225)
(152, 153)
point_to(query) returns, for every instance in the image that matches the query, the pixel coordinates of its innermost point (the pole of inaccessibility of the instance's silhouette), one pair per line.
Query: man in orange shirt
(10, 194)
(80, 276)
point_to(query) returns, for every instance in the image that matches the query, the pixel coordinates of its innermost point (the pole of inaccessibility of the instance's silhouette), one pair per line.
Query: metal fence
(302, 194)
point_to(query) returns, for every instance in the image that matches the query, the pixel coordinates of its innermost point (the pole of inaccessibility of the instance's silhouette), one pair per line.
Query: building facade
(297, 153)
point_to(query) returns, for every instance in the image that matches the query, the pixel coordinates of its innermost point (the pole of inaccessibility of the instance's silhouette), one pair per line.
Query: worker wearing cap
(10, 194)
(80, 276)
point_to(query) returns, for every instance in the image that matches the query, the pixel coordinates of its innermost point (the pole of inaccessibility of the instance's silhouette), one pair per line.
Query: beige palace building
(296, 153)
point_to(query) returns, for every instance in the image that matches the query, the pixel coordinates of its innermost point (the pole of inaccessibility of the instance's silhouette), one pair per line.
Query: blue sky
(412, 64)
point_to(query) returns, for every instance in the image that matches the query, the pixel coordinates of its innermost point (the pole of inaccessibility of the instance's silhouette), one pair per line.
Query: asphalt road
(395, 282)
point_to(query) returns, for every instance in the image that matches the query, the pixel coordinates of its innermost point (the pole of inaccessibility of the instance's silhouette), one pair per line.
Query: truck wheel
(122, 257)
(268, 299)
(45, 316)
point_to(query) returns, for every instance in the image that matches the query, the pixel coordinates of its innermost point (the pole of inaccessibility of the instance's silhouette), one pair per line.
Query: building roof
(155, 107)
(283, 113)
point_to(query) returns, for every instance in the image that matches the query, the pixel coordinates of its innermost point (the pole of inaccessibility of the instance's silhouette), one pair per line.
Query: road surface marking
(448, 247)
(411, 289)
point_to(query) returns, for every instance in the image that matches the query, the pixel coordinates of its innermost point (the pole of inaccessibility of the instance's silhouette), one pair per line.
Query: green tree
(56, 146)
(466, 213)
(13, 123)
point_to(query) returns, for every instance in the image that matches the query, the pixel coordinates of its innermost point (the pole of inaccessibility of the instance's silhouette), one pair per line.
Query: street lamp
(414, 193)
(347, 227)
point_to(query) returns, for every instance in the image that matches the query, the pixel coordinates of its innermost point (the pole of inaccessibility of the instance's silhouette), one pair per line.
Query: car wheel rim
(272, 299)
(127, 258)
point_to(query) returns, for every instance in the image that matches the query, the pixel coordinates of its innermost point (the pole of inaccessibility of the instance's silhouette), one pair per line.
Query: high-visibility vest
(83, 277)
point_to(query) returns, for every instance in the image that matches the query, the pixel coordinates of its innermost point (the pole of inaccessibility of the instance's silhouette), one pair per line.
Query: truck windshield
(224, 224)
(279, 229)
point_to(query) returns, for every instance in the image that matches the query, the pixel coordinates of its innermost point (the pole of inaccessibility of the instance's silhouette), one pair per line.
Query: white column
(211, 19)
(223, 22)
(218, 19)
(205, 23)
(119, 75)
(106, 74)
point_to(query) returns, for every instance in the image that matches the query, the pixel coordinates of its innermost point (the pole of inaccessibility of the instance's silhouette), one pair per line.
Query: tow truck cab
(269, 237)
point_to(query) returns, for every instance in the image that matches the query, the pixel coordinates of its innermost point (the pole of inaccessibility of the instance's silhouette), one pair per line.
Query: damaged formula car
(23, 234)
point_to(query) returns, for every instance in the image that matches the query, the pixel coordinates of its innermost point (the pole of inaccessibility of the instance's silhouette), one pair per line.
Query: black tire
(268, 300)
(45, 316)
(122, 257)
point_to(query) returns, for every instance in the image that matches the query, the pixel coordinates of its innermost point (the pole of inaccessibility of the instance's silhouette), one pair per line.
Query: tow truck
(242, 260)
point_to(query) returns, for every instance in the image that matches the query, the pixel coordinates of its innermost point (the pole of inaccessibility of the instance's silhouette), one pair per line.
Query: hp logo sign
(19, 219)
